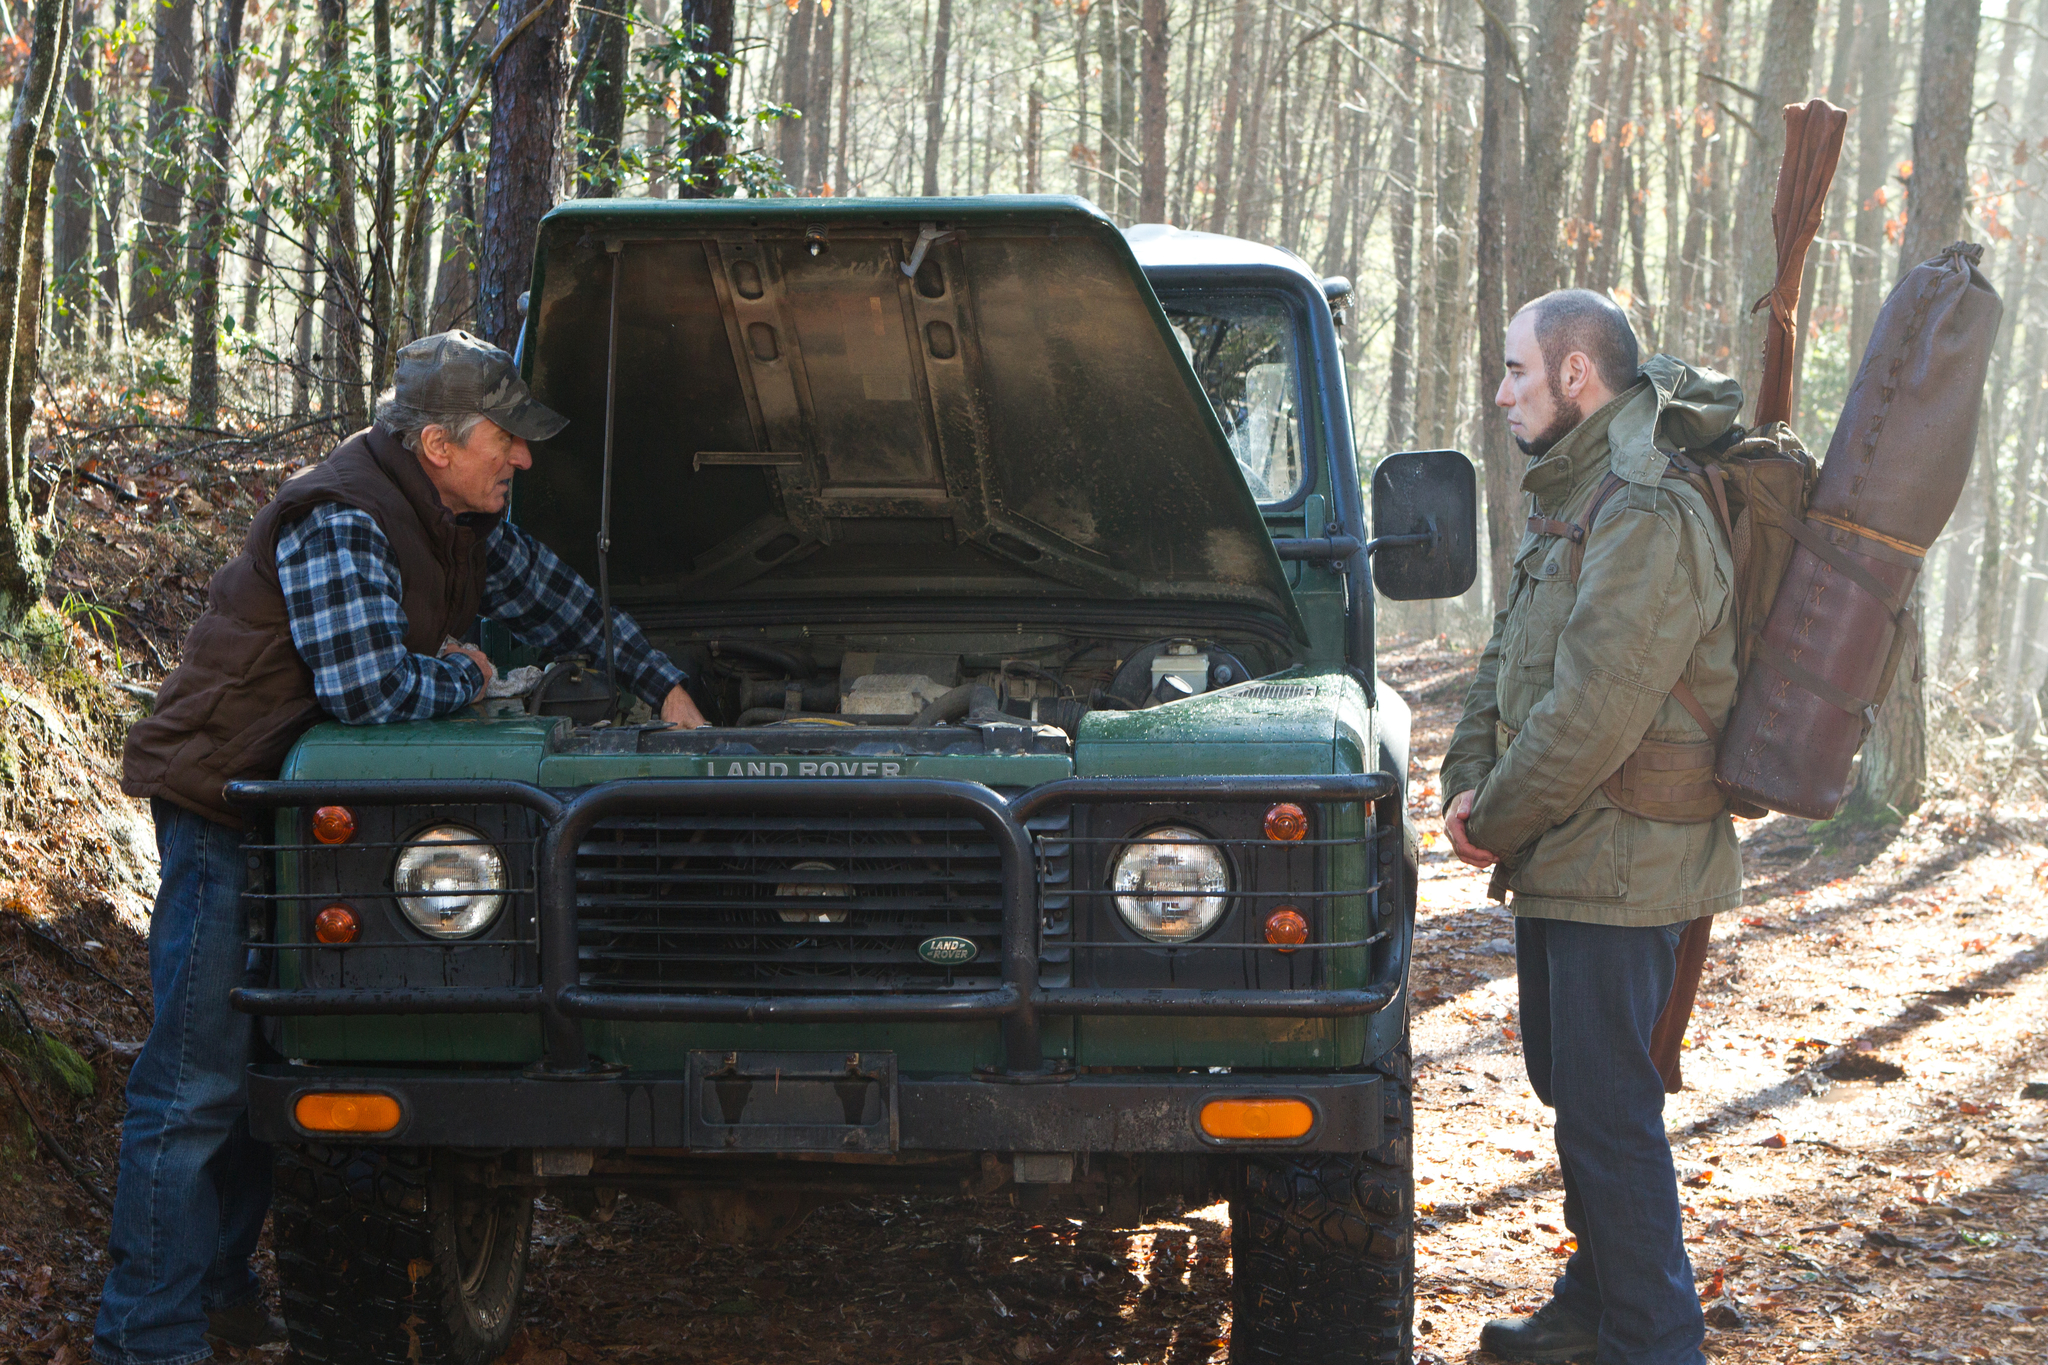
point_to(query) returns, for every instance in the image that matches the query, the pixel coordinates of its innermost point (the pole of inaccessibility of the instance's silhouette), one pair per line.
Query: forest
(238, 213)
(221, 220)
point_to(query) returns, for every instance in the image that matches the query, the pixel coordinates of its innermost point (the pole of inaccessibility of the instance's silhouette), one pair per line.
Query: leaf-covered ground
(1866, 1178)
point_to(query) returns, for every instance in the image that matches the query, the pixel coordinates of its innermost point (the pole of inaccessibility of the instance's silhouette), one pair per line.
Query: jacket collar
(1578, 458)
(403, 468)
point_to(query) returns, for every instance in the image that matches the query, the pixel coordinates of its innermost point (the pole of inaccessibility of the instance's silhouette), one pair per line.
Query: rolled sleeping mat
(1839, 626)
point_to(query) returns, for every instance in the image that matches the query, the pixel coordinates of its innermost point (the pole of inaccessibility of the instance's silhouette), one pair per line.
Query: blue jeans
(194, 1184)
(1590, 994)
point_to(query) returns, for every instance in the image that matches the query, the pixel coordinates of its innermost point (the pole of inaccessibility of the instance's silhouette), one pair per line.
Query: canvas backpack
(1758, 485)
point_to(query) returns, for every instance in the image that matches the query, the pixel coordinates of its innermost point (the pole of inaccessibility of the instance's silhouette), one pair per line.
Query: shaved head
(1569, 320)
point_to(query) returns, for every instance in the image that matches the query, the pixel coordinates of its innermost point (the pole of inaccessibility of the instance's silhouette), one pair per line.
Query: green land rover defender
(1048, 840)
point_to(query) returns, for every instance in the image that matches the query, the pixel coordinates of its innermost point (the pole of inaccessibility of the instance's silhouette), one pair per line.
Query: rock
(1726, 1317)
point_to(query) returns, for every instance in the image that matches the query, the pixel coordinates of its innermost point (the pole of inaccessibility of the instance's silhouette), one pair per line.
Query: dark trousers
(1590, 994)
(194, 1185)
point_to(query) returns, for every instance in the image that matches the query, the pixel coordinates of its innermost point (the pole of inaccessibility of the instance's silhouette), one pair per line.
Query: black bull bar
(562, 1002)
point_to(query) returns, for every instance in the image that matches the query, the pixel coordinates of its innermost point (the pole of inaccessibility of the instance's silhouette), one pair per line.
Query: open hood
(818, 399)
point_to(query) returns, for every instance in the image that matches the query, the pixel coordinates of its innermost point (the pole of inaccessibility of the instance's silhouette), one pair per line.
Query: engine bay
(918, 683)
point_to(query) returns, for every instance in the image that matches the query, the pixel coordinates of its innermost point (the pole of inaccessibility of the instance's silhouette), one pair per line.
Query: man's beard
(1569, 415)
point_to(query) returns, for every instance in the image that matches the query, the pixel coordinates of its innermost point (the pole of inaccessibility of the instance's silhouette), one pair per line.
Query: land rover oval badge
(947, 950)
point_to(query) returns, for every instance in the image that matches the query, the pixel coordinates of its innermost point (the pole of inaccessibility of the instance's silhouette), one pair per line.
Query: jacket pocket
(1587, 857)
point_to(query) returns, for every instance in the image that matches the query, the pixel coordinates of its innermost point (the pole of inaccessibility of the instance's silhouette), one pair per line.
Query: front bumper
(563, 1002)
(643, 1110)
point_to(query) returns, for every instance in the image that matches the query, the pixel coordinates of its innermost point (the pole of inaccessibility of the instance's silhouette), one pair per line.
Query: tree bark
(209, 215)
(1034, 105)
(259, 254)
(1894, 771)
(935, 97)
(1579, 231)
(526, 124)
(72, 231)
(383, 205)
(1152, 113)
(455, 281)
(1879, 81)
(342, 349)
(1221, 177)
(1109, 157)
(1783, 79)
(790, 146)
(1401, 242)
(818, 109)
(601, 102)
(153, 287)
(842, 185)
(1535, 262)
(711, 104)
(1498, 455)
(24, 194)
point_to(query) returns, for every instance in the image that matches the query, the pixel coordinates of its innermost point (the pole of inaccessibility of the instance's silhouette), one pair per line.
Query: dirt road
(1865, 1181)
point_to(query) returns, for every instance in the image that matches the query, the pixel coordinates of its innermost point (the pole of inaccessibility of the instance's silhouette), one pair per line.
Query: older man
(346, 602)
(1582, 771)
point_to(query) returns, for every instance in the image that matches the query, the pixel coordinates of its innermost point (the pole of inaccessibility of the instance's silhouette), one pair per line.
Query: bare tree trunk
(1401, 230)
(1786, 72)
(343, 346)
(1894, 768)
(259, 255)
(519, 182)
(1153, 113)
(935, 98)
(1497, 163)
(601, 102)
(1579, 231)
(152, 291)
(1614, 158)
(818, 111)
(72, 231)
(1034, 105)
(1109, 151)
(1879, 80)
(1535, 263)
(455, 281)
(1220, 178)
(842, 185)
(1251, 172)
(707, 149)
(1079, 154)
(384, 205)
(24, 195)
(413, 301)
(209, 213)
(302, 331)
(790, 146)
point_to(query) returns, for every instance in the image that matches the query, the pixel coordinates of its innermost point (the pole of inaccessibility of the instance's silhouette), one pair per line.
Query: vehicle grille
(695, 903)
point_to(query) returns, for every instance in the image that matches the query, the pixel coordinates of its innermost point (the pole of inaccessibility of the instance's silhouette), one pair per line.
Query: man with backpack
(1582, 773)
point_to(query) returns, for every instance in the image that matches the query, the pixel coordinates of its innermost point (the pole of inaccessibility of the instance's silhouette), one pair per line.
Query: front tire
(1323, 1248)
(397, 1256)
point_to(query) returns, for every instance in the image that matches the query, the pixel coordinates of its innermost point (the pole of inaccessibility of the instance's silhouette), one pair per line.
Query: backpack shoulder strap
(1609, 486)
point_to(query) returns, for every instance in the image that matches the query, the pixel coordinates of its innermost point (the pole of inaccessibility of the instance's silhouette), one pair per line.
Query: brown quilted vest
(243, 696)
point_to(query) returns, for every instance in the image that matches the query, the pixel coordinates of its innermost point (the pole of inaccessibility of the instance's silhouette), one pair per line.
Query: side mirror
(1425, 521)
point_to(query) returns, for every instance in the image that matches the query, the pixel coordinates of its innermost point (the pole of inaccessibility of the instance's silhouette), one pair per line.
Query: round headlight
(450, 882)
(1170, 888)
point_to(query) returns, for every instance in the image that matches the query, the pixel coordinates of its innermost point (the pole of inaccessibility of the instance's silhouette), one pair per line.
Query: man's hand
(1461, 844)
(457, 647)
(678, 709)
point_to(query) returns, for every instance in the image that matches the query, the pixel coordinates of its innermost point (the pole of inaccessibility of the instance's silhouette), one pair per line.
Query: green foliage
(676, 72)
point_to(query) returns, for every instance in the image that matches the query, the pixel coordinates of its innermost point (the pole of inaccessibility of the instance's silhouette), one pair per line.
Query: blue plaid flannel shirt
(342, 594)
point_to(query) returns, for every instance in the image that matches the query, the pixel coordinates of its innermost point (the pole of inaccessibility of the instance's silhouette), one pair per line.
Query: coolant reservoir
(1185, 662)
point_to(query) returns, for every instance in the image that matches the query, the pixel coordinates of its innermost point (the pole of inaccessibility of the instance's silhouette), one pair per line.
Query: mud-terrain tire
(392, 1256)
(1323, 1248)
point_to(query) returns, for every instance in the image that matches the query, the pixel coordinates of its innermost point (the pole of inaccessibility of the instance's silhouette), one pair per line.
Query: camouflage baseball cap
(456, 372)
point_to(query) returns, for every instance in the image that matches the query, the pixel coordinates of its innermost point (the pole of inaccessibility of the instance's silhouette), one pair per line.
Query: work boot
(247, 1325)
(1548, 1334)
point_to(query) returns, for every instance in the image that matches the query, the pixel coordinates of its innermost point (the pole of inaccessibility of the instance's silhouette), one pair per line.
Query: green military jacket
(1575, 677)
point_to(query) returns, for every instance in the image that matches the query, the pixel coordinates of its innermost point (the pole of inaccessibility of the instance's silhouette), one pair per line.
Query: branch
(1707, 75)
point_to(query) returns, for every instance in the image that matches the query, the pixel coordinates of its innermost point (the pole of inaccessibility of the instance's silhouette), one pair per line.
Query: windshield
(1242, 349)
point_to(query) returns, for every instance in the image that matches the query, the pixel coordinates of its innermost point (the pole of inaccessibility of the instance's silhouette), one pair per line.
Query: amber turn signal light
(344, 1113)
(1256, 1118)
(1286, 821)
(1285, 925)
(336, 924)
(337, 824)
